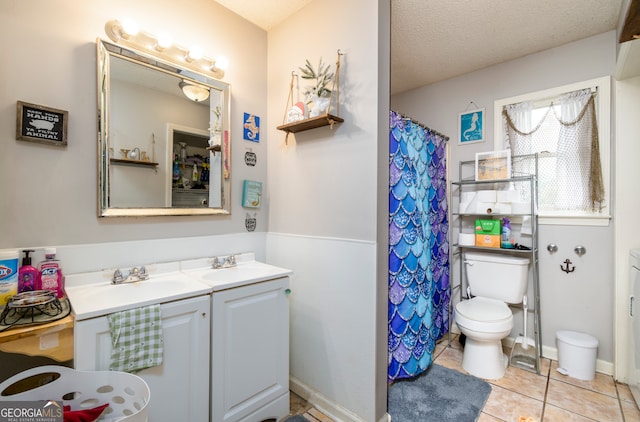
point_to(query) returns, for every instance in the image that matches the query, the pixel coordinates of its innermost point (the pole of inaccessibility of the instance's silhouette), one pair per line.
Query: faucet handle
(231, 260)
(117, 276)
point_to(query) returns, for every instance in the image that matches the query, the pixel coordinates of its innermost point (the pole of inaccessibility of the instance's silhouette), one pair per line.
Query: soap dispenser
(27, 275)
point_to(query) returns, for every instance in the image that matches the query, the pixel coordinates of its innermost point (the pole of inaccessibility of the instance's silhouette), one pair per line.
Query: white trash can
(577, 354)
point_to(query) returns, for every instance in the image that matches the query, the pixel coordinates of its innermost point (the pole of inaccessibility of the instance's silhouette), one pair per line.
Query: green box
(491, 227)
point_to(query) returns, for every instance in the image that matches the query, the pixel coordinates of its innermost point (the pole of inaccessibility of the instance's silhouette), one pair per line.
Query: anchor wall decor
(566, 268)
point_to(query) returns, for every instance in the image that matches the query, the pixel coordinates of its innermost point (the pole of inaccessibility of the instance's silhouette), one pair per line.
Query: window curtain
(578, 172)
(578, 164)
(418, 246)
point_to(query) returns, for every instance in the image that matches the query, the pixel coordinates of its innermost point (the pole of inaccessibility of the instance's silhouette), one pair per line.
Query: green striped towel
(136, 337)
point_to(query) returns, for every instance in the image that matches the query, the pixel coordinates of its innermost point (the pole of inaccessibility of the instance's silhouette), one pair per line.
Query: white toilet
(494, 280)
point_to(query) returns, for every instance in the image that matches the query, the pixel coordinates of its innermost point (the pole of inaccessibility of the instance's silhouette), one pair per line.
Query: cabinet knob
(552, 247)
(287, 292)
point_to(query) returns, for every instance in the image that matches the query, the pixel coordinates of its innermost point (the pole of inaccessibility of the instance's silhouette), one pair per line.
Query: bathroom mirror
(160, 152)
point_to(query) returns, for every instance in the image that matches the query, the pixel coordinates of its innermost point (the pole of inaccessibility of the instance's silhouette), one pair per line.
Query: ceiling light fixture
(194, 92)
(128, 34)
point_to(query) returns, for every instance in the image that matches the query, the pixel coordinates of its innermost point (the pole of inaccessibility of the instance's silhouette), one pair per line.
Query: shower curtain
(418, 246)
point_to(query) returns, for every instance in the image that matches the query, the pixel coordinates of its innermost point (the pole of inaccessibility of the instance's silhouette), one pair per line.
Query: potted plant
(319, 93)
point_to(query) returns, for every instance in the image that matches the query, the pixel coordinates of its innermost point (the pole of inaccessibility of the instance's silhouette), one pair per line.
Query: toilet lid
(483, 309)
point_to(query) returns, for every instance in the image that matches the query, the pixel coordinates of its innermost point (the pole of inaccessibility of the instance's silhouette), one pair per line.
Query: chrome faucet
(223, 262)
(135, 274)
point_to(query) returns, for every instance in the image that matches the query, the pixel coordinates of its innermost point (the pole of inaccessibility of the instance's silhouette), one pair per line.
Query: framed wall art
(471, 126)
(251, 194)
(45, 125)
(493, 165)
(251, 127)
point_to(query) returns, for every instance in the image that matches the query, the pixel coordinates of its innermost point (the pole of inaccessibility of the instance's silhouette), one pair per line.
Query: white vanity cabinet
(180, 386)
(250, 352)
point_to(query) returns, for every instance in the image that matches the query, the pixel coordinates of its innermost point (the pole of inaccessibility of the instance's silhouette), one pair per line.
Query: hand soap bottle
(50, 273)
(27, 275)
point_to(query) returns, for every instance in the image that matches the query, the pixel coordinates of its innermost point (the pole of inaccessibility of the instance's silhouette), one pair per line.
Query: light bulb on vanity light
(117, 30)
(194, 53)
(129, 28)
(164, 41)
(221, 63)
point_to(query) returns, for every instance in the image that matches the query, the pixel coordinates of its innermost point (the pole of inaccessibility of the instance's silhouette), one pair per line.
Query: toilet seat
(484, 315)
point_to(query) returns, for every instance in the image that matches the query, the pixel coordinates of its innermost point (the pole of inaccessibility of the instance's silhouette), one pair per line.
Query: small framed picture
(471, 127)
(45, 125)
(493, 165)
(251, 127)
(251, 194)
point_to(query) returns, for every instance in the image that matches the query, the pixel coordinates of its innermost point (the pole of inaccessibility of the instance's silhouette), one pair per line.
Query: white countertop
(93, 295)
(247, 271)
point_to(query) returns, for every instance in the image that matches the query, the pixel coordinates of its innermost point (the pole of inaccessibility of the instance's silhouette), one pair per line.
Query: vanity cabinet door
(180, 386)
(250, 352)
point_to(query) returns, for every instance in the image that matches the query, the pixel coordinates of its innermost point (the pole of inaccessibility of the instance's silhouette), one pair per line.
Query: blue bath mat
(439, 394)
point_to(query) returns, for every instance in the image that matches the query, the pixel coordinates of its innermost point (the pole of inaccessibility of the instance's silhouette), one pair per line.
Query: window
(569, 127)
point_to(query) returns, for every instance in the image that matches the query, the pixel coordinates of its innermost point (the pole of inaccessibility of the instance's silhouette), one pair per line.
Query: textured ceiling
(434, 40)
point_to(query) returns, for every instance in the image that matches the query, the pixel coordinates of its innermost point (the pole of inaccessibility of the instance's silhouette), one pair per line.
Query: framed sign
(471, 127)
(45, 125)
(251, 194)
(493, 165)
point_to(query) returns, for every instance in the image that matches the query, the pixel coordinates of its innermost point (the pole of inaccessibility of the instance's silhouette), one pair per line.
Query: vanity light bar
(128, 34)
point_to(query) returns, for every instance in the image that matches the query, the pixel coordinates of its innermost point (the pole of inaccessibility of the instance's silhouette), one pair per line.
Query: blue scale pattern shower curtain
(418, 246)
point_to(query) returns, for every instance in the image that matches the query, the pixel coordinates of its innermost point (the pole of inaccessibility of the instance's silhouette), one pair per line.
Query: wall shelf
(133, 162)
(311, 123)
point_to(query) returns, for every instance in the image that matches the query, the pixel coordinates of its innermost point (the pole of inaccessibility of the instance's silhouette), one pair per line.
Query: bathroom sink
(247, 271)
(92, 294)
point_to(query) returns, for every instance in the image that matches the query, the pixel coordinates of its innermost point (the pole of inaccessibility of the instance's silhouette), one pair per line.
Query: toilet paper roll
(485, 207)
(503, 208)
(467, 197)
(466, 239)
(502, 196)
(507, 196)
(486, 196)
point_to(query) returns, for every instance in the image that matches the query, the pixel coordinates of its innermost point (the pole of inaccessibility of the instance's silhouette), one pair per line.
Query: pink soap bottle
(27, 275)
(50, 273)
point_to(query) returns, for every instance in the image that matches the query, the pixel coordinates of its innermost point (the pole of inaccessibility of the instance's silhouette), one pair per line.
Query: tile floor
(520, 394)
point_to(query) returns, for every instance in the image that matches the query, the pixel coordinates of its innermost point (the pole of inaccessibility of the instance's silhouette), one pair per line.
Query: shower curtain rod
(435, 132)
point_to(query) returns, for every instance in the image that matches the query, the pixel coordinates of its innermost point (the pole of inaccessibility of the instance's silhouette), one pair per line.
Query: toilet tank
(500, 277)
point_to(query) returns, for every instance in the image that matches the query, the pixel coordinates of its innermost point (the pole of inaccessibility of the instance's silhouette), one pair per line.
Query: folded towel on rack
(136, 339)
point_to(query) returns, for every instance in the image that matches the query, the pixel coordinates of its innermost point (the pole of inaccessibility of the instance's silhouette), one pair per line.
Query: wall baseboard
(324, 404)
(548, 352)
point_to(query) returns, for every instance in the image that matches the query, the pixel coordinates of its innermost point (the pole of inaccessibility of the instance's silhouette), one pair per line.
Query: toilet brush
(525, 343)
(521, 353)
